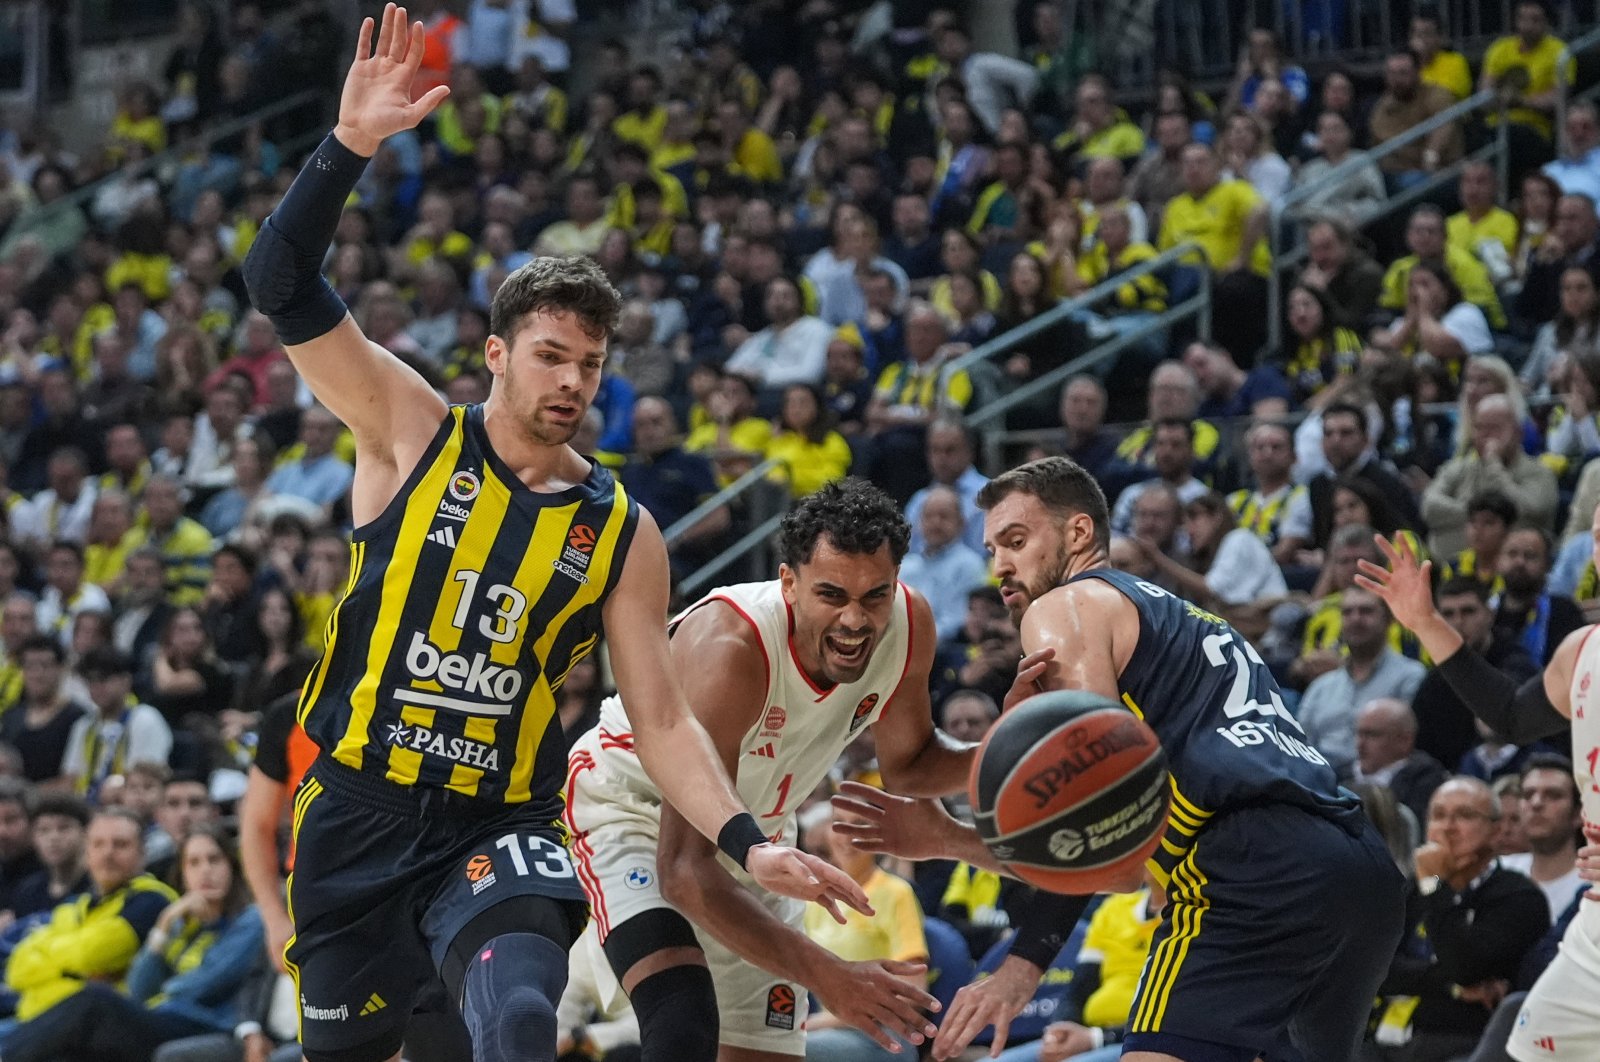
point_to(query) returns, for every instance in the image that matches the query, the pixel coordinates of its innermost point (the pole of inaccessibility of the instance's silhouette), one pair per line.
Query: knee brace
(677, 1012)
(509, 998)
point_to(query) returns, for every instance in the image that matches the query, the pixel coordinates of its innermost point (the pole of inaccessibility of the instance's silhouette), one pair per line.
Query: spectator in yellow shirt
(106, 548)
(1526, 64)
(1425, 238)
(814, 453)
(1481, 228)
(751, 150)
(1100, 129)
(893, 935)
(185, 546)
(136, 121)
(93, 937)
(1228, 219)
(645, 119)
(1440, 66)
(734, 437)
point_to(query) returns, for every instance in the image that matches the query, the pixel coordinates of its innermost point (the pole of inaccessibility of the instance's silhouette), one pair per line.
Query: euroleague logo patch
(480, 872)
(780, 1007)
(864, 709)
(464, 487)
(581, 538)
(577, 553)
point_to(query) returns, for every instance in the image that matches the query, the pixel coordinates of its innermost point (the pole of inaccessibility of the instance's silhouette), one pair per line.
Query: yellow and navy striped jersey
(1228, 736)
(470, 599)
(1261, 514)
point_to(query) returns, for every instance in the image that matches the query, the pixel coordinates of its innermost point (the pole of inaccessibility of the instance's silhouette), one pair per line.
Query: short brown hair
(1061, 484)
(574, 285)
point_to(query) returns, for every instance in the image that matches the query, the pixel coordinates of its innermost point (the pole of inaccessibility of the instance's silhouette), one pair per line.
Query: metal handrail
(690, 587)
(674, 534)
(1196, 305)
(1356, 162)
(80, 197)
(1006, 342)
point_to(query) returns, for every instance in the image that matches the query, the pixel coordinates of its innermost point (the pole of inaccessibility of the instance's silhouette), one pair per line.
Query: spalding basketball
(1070, 792)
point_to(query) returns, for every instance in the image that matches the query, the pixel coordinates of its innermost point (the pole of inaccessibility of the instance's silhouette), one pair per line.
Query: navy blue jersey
(1229, 739)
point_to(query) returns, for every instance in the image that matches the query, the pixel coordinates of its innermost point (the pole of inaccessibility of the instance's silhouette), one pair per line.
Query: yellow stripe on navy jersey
(470, 599)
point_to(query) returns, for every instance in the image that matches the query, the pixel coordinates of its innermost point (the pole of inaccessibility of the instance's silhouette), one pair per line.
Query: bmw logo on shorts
(639, 878)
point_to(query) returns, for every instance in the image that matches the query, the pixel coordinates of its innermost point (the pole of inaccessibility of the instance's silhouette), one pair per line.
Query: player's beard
(1050, 576)
(537, 423)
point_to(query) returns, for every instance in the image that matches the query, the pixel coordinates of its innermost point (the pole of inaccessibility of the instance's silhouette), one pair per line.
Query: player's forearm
(1438, 638)
(680, 758)
(939, 768)
(283, 270)
(962, 843)
(709, 897)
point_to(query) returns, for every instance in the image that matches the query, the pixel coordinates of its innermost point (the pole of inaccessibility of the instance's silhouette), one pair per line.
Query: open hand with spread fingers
(376, 101)
(791, 872)
(1405, 585)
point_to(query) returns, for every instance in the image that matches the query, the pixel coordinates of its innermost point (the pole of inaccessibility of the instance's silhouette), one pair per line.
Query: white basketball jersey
(802, 728)
(1582, 940)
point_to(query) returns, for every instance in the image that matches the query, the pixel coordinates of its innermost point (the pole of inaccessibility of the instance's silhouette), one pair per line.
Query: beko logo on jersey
(458, 749)
(473, 675)
(453, 511)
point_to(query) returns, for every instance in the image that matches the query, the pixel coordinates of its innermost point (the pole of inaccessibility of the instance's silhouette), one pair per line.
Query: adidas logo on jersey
(765, 752)
(444, 536)
(374, 1004)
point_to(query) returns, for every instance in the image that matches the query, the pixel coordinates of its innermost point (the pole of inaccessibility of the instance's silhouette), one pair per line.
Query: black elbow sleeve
(287, 285)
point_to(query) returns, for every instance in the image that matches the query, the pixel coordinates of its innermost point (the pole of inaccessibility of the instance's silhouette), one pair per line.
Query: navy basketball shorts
(1280, 925)
(385, 877)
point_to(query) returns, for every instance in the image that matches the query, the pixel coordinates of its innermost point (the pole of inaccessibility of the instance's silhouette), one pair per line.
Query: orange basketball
(1070, 792)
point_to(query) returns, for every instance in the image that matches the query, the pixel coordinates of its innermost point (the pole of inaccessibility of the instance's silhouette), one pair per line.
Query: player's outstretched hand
(891, 824)
(1404, 585)
(875, 998)
(791, 872)
(995, 1000)
(1029, 671)
(376, 101)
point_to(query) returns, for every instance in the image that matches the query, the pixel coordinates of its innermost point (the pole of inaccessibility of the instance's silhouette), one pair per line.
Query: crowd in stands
(815, 213)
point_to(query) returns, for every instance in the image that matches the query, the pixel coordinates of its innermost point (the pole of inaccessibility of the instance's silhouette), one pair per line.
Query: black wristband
(1044, 923)
(738, 835)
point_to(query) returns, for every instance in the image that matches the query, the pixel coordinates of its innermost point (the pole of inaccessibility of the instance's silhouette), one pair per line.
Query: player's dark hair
(1494, 503)
(1461, 585)
(855, 516)
(574, 285)
(1061, 484)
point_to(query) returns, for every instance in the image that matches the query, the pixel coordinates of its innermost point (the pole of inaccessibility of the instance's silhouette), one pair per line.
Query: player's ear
(496, 353)
(787, 577)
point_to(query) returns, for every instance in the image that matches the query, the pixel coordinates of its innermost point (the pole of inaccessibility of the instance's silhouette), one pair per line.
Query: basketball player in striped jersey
(1560, 1019)
(488, 559)
(784, 674)
(1284, 907)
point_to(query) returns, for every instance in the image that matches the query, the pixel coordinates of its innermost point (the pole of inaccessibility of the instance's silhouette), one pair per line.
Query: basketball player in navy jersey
(1284, 908)
(488, 558)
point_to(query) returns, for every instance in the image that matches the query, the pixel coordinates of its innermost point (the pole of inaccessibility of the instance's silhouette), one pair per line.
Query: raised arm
(391, 411)
(725, 680)
(914, 757)
(676, 751)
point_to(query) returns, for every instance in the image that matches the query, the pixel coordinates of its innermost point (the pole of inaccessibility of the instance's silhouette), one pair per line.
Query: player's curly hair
(855, 516)
(574, 285)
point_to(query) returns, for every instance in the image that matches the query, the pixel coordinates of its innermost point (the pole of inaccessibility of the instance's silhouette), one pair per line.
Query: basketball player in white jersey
(783, 675)
(1560, 1019)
